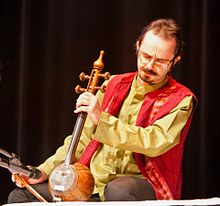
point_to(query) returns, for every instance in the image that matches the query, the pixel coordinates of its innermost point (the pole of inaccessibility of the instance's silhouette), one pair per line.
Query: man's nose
(150, 64)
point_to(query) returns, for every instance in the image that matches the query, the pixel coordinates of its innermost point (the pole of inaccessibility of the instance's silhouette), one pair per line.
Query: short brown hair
(166, 29)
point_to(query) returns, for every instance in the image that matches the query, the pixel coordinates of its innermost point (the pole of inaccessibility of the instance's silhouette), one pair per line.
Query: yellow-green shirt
(120, 137)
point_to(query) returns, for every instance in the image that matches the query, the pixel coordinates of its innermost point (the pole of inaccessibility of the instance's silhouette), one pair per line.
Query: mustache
(150, 71)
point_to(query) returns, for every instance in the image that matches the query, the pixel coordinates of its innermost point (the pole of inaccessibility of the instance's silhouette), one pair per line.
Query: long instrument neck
(91, 87)
(77, 131)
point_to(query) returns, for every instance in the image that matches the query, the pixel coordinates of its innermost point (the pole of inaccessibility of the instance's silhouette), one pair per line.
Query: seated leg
(20, 195)
(129, 189)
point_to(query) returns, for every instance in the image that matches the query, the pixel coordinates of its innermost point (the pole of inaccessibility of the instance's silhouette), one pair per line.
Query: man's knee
(23, 195)
(128, 189)
(120, 189)
(17, 195)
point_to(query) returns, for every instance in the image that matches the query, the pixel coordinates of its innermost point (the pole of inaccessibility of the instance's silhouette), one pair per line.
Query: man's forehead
(153, 43)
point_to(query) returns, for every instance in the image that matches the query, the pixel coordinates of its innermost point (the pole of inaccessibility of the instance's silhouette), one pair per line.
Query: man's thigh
(23, 195)
(129, 188)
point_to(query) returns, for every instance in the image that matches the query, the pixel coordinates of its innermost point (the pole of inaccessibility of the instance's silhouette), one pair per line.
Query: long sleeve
(56, 159)
(151, 141)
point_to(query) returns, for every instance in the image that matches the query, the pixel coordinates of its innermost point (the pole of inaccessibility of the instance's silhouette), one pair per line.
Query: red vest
(165, 171)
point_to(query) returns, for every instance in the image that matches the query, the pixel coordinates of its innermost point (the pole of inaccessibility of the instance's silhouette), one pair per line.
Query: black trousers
(120, 189)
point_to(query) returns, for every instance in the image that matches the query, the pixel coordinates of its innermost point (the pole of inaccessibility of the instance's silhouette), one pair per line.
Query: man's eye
(147, 57)
(162, 61)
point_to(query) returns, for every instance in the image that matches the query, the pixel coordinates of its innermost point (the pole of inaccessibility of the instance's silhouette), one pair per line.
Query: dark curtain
(45, 45)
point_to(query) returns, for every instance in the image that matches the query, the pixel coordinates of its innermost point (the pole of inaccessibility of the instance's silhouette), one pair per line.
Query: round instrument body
(71, 183)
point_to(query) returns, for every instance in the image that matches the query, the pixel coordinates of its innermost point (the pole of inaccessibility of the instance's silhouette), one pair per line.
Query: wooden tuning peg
(83, 76)
(79, 89)
(106, 75)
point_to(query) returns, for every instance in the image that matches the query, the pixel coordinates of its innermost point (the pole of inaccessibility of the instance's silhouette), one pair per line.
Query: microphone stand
(13, 164)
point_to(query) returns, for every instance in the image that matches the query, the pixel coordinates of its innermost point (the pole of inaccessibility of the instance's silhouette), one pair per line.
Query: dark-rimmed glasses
(158, 63)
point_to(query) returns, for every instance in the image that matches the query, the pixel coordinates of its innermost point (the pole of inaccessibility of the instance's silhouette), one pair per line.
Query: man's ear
(137, 46)
(178, 58)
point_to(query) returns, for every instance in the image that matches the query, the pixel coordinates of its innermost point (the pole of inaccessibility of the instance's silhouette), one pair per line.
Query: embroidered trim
(160, 102)
(158, 182)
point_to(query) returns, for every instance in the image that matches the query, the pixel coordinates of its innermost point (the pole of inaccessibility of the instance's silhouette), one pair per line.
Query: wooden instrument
(73, 181)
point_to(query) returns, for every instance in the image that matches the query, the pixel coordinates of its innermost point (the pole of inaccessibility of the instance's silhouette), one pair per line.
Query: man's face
(155, 57)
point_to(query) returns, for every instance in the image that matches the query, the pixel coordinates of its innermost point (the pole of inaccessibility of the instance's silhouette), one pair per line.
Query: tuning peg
(79, 89)
(83, 76)
(101, 88)
(106, 75)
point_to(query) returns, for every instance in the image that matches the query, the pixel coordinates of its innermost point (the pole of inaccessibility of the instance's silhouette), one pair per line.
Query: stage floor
(210, 201)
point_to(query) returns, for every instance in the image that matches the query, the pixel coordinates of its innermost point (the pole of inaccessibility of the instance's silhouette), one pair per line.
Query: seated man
(140, 122)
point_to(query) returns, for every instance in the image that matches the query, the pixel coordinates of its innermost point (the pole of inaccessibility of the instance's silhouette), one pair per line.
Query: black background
(45, 45)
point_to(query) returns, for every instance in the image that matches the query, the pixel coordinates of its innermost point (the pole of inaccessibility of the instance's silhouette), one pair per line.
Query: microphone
(29, 171)
(13, 164)
(33, 172)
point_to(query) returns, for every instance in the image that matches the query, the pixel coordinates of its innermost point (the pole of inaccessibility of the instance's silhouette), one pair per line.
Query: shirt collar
(148, 88)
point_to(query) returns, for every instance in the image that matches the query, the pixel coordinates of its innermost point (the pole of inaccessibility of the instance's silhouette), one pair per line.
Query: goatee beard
(145, 80)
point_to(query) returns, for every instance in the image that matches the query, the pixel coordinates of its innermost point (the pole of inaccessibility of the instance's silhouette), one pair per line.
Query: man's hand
(87, 102)
(27, 179)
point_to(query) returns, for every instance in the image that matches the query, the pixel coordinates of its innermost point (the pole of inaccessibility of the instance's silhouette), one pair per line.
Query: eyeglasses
(157, 63)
